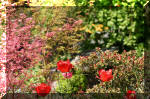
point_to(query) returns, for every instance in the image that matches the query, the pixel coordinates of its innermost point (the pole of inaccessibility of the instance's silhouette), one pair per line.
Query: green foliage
(72, 85)
(128, 70)
(123, 27)
(129, 3)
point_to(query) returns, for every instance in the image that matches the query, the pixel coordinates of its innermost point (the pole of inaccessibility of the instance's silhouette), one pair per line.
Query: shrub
(72, 85)
(106, 27)
(23, 50)
(117, 3)
(64, 41)
(60, 31)
(127, 68)
(3, 65)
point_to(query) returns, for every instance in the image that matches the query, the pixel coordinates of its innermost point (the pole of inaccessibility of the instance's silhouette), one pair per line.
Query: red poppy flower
(105, 75)
(64, 66)
(130, 94)
(43, 89)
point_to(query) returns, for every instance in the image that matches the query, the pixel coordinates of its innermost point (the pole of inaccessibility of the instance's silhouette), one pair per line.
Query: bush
(64, 42)
(72, 85)
(106, 27)
(59, 31)
(23, 49)
(130, 3)
(128, 70)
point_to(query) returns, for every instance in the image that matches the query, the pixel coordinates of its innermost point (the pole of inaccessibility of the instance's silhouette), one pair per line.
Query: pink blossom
(28, 20)
(50, 34)
(78, 22)
(67, 27)
(67, 75)
(22, 15)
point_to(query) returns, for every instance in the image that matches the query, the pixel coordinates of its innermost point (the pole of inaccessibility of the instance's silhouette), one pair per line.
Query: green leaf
(119, 37)
(92, 36)
(110, 23)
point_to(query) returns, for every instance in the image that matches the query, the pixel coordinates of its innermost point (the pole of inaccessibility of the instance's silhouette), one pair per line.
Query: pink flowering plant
(67, 75)
(23, 50)
(2, 50)
(3, 65)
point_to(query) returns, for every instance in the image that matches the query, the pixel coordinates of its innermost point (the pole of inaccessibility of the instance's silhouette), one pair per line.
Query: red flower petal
(105, 75)
(64, 66)
(43, 89)
(101, 71)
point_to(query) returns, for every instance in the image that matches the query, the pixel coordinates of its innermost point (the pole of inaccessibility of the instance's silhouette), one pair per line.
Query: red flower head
(64, 66)
(43, 89)
(130, 94)
(105, 75)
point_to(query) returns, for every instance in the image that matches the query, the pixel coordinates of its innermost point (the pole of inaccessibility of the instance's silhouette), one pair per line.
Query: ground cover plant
(74, 50)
